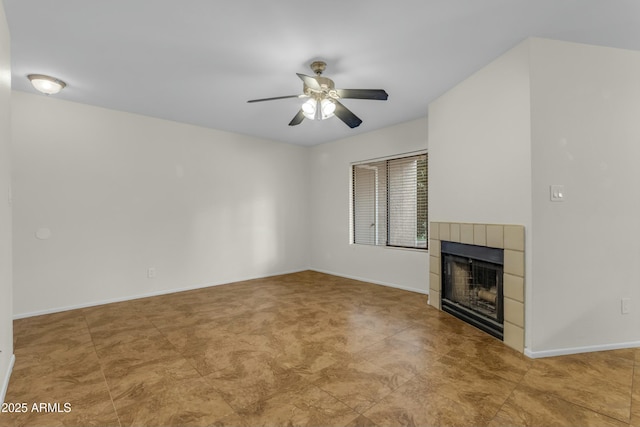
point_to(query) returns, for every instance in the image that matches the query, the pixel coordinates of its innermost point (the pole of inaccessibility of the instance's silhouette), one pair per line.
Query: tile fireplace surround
(503, 236)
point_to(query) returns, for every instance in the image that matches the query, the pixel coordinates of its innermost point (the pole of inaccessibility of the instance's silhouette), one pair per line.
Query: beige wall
(331, 250)
(480, 149)
(6, 310)
(585, 114)
(121, 193)
(548, 113)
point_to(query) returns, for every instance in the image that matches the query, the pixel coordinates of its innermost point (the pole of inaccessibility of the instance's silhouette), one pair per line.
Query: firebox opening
(472, 285)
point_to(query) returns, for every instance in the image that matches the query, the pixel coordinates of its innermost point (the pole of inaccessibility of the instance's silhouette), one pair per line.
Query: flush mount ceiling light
(46, 84)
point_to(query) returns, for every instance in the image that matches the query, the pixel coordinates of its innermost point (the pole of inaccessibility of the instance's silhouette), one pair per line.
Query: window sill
(397, 248)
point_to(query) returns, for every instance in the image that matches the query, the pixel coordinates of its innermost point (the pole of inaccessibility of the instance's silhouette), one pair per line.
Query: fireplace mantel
(503, 236)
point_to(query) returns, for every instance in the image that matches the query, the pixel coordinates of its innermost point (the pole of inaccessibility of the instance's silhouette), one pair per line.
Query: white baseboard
(144, 295)
(7, 377)
(200, 286)
(375, 282)
(576, 350)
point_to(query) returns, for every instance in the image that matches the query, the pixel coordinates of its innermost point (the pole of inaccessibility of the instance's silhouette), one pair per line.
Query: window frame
(387, 231)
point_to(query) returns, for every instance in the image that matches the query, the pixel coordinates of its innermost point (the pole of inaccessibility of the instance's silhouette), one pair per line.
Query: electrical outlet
(151, 273)
(624, 305)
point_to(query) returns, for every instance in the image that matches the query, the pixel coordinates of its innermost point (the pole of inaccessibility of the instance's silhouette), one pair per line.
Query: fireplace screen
(472, 285)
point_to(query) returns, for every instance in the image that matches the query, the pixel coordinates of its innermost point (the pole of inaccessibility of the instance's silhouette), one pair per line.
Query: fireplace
(472, 290)
(508, 238)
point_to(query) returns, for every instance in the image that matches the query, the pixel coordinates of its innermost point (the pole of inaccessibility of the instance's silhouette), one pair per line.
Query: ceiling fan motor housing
(327, 89)
(318, 67)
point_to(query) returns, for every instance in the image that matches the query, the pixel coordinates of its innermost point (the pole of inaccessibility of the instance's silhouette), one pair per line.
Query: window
(390, 202)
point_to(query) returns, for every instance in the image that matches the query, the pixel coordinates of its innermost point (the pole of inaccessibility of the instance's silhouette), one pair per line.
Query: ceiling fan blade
(274, 98)
(344, 114)
(377, 94)
(311, 82)
(297, 119)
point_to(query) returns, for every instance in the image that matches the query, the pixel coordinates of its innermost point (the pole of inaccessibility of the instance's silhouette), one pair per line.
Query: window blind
(369, 203)
(390, 202)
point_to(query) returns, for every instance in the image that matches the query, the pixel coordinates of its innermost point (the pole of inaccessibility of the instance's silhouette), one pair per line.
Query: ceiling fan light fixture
(309, 109)
(328, 107)
(46, 84)
(324, 98)
(315, 109)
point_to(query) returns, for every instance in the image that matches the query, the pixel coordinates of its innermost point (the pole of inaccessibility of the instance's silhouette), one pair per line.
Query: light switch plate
(624, 308)
(557, 193)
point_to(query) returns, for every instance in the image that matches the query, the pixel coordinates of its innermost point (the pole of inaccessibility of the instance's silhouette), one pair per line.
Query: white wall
(480, 150)
(6, 310)
(122, 192)
(330, 246)
(586, 136)
(545, 113)
(479, 146)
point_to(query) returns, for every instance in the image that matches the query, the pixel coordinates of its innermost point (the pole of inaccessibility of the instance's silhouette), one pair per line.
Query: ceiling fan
(324, 99)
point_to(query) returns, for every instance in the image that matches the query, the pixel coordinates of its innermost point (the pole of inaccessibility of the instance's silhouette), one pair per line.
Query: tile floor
(302, 349)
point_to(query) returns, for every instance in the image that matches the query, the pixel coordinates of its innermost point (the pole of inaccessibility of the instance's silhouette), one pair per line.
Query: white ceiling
(199, 61)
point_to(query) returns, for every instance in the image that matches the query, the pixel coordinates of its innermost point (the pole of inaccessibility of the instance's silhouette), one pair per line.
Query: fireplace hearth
(472, 285)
